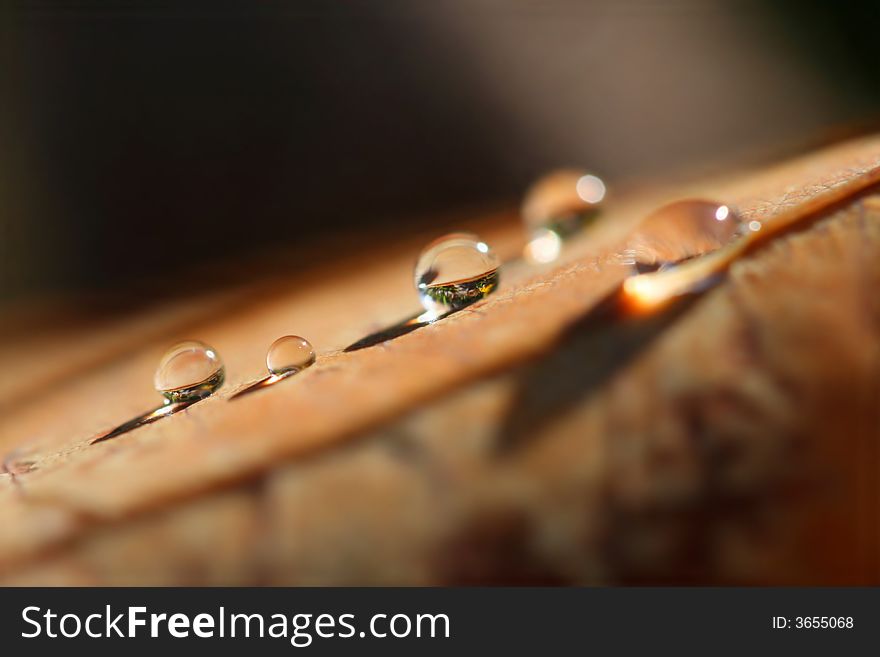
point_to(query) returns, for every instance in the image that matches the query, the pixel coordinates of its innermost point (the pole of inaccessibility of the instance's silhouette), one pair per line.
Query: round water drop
(189, 371)
(680, 231)
(563, 201)
(289, 354)
(454, 271)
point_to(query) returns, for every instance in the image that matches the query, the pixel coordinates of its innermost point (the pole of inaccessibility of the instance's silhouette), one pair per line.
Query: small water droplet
(290, 353)
(680, 231)
(454, 271)
(189, 371)
(563, 201)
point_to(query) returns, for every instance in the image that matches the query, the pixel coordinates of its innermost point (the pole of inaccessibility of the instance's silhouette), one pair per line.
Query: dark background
(138, 139)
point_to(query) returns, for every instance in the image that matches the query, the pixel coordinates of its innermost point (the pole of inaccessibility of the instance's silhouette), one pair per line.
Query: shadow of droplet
(397, 330)
(265, 382)
(145, 418)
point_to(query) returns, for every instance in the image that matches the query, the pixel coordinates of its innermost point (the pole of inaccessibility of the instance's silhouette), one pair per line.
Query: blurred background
(144, 138)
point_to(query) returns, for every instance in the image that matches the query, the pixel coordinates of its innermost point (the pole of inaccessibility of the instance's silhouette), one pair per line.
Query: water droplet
(189, 371)
(679, 231)
(288, 354)
(454, 271)
(563, 201)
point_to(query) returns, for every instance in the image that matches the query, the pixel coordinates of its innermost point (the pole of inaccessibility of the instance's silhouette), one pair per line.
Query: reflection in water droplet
(680, 231)
(562, 203)
(288, 354)
(454, 271)
(189, 371)
(561, 198)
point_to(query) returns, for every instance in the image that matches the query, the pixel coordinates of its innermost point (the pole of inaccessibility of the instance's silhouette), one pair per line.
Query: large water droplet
(288, 354)
(189, 371)
(680, 231)
(562, 201)
(455, 271)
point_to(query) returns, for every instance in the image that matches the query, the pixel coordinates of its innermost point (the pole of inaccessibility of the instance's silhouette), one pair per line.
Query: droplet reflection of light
(590, 188)
(645, 291)
(754, 226)
(482, 247)
(428, 316)
(544, 247)
(722, 213)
